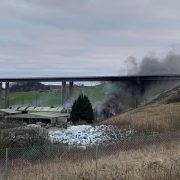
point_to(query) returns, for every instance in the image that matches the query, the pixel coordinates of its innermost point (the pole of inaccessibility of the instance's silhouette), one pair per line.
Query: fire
(113, 113)
(111, 107)
(112, 110)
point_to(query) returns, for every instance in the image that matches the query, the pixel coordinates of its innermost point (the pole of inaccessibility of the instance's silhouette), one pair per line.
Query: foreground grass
(152, 162)
(149, 118)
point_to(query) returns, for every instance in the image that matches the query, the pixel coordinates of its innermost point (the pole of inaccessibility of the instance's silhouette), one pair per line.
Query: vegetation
(159, 115)
(53, 97)
(139, 158)
(28, 86)
(82, 110)
(94, 93)
(22, 137)
(152, 162)
(149, 118)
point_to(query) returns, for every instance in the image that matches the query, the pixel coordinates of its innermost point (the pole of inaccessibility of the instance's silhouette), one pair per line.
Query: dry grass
(136, 159)
(162, 114)
(154, 162)
(153, 117)
(169, 96)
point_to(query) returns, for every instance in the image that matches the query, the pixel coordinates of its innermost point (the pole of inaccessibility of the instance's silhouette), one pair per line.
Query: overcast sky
(83, 37)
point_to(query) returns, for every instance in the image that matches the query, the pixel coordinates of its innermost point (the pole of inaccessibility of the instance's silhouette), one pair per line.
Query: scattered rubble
(86, 135)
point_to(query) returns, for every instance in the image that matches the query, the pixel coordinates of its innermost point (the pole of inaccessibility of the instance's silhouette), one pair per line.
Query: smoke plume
(118, 96)
(154, 66)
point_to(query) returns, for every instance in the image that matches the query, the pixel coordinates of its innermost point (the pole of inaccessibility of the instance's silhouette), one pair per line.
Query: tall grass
(150, 118)
(154, 162)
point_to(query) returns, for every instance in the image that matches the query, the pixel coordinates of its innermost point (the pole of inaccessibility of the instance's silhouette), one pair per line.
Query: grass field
(38, 98)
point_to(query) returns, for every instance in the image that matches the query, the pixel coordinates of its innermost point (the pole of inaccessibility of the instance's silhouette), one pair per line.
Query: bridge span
(94, 78)
(138, 82)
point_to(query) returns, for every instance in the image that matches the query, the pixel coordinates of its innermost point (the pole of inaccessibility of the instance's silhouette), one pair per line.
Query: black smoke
(154, 66)
(119, 95)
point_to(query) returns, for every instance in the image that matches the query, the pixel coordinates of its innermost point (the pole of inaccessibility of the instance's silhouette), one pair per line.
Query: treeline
(28, 86)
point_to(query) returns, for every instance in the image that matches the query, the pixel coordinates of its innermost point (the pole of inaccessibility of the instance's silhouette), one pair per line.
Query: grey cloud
(40, 36)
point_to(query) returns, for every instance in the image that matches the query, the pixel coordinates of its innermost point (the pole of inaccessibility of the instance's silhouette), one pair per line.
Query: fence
(143, 157)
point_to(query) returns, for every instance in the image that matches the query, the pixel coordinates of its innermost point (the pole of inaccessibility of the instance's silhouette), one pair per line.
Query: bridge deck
(95, 78)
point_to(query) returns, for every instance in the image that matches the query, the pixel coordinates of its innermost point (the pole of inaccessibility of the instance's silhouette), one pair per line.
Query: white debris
(85, 135)
(33, 126)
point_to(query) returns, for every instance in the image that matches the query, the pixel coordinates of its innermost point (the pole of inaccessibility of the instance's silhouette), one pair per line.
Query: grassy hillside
(38, 98)
(95, 93)
(160, 115)
(151, 118)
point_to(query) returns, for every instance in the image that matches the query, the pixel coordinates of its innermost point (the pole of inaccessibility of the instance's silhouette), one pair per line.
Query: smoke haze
(119, 94)
(154, 66)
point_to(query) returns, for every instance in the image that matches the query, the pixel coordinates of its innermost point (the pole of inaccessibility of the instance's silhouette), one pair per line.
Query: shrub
(82, 110)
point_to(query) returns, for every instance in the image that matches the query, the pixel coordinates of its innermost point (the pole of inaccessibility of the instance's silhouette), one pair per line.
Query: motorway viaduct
(139, 83)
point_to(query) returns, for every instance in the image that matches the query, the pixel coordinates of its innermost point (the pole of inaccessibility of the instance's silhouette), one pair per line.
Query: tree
(82, 110)
(28, 86)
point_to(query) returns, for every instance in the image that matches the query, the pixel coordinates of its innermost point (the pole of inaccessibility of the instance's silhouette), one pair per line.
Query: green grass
(35, 98)
(95, 93)
(53, 98)
(21, 98)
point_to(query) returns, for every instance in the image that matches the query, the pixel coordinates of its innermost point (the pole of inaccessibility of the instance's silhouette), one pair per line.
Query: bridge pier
(71, 88)
(133, 96)
(137, 92)
(1, 94)
(63, 92)
(7, 95)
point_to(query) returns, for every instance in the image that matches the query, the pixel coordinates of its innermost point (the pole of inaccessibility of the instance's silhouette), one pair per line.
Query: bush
(23, 137)
(34, 153)
(82, 110)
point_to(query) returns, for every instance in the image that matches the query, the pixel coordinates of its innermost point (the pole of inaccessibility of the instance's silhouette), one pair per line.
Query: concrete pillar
(135, 95)
(1, 95)
(133, 99)
(7, 95)
(71, 88)
(63, 92)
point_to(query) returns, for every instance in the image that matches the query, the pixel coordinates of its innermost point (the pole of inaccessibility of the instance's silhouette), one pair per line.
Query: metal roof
(37, 108)
(50, 115)
(27, 116)
(45, 108)
(10, 111)
(53, 109)
(22, 108)
(60, 109)
(30, 108)
(39, 115)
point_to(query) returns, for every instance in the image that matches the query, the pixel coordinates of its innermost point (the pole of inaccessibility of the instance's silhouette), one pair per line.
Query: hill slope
(170, 96)
(161, 114)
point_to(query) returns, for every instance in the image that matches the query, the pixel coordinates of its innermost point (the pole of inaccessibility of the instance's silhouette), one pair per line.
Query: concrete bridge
(138, 82)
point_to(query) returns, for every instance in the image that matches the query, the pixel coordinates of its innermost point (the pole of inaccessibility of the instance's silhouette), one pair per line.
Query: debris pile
(86, 135)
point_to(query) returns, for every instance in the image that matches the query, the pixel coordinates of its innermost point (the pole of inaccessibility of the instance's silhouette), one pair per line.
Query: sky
(84, 37)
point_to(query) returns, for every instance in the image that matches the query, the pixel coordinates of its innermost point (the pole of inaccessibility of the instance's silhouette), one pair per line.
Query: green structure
(40, 117)
(22, 114)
